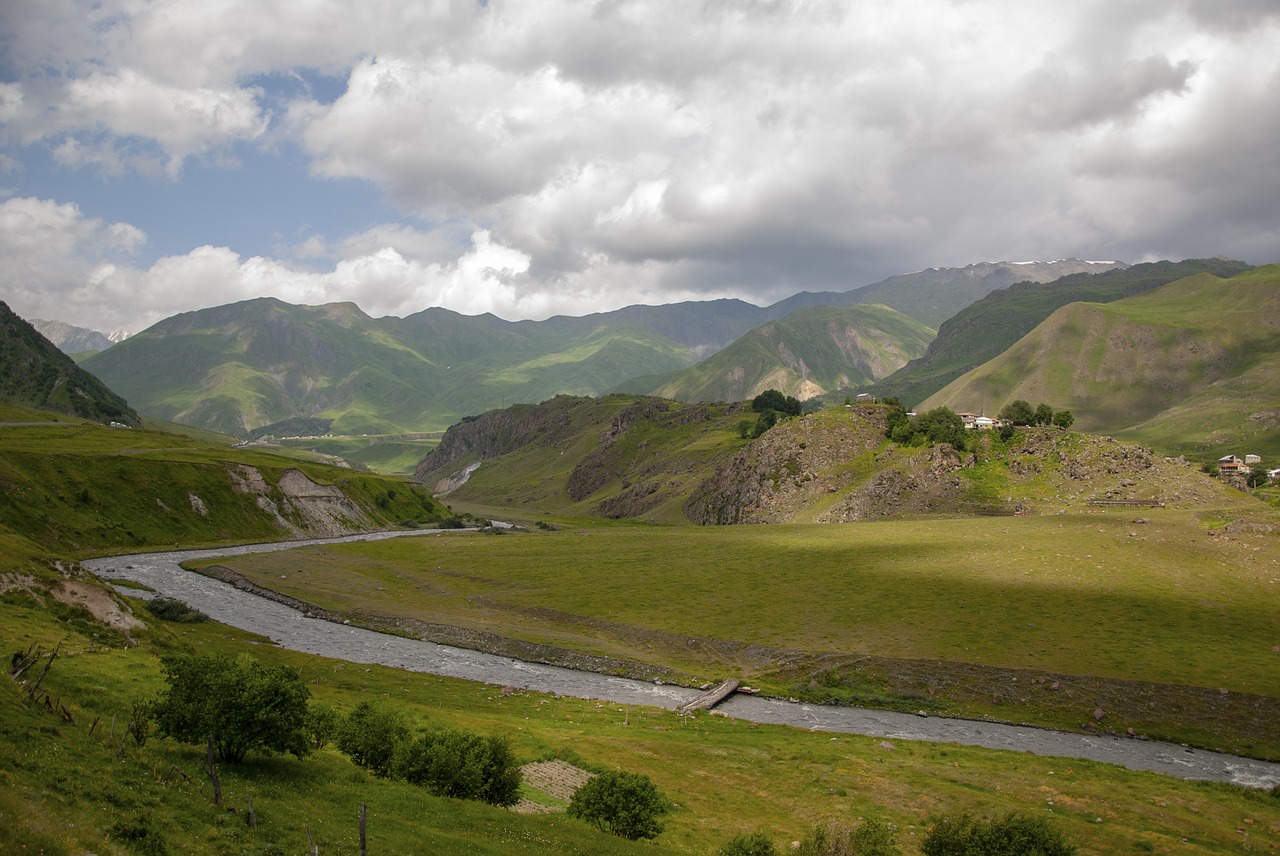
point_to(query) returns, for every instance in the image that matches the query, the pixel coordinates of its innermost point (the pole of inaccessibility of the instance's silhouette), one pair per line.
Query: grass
(1088, 595)
(725, 776)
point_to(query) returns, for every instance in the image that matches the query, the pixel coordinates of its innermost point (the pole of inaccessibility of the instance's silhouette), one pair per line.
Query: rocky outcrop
(300, 506)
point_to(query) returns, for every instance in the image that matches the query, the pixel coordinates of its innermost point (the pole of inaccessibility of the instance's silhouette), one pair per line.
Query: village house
(1229, 464)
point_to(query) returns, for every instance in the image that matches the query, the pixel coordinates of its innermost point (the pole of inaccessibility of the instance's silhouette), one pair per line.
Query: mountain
(71, 339)
(934, 295)
(238, 367)
(1193, 366)
(981, 330)
(813, 350)
(34, 373)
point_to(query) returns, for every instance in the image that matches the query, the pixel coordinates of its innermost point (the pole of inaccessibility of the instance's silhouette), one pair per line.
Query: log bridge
(711, 698)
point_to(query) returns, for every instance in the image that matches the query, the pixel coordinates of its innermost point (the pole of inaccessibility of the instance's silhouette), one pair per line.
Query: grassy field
(73, 794)
(1089, 595)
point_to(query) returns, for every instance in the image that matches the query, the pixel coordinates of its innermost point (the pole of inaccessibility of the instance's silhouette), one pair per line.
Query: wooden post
(363, 849)
(213, 773)
(47, 666)
(250, 818)
(312, 849)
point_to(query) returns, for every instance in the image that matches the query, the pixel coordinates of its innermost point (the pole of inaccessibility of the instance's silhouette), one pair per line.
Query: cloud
(568, 155)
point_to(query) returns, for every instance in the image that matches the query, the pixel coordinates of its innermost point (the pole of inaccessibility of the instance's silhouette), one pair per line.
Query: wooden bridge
(711, 698)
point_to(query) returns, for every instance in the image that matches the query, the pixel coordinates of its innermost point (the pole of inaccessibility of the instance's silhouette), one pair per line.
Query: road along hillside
(289, 628)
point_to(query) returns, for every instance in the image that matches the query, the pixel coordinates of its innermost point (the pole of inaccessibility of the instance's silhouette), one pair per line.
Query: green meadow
(68, 788)
(1162, 603)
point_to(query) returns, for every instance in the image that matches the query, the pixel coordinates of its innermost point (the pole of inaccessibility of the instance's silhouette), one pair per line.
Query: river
(290, 629)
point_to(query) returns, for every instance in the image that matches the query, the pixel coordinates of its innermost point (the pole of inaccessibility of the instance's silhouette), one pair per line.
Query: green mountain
(238, 367)
(1193, 366)
(982, 330)
(811, 351)
(34, 373)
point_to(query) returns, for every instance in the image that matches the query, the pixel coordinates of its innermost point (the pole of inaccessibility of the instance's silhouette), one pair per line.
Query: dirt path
(291, 629)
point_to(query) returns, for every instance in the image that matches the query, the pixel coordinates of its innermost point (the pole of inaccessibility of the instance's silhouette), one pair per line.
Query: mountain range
(73, 340)
(240, 367)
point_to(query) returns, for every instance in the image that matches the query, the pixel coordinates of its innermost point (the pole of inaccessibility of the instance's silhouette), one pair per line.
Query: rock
(1055, 685)
(1099, 714)
(885, 744)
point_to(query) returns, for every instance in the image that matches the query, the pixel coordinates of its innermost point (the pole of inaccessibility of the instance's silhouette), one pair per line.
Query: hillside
(981, 330)
(34, 373)
(811, 351)
(239, 367)
(650, 459)
(1191, 366)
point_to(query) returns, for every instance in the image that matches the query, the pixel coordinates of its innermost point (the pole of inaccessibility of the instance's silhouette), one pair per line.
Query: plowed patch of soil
(558, 779)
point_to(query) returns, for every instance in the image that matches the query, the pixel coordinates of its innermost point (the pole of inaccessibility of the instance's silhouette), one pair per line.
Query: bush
(625, 804)
(772, 399)
(321, 725)
(755, 844)
(172, 609)
(461, 764)
(1013, 835)
(370, 735)
(941, 425)
(240, 704)
(871, 838)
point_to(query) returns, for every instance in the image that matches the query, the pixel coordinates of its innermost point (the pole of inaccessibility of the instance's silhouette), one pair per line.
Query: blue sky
(567, 156)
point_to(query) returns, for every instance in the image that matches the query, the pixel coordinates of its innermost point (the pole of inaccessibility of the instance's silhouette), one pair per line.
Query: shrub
(172, 609)
(871, 838)
(457, 763)
(140, 835)
(755, 844)
(321, 725)
(370, 735)
(1013, 835)
(625, 804)
(239, 704)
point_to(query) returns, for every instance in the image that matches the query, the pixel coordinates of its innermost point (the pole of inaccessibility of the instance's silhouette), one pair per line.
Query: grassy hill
(239, 367)
(34, 373)
(811, 351)
(985, 328)
(1191, 366)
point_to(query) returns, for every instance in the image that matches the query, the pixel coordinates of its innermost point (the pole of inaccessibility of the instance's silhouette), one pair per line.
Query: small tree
(625, 804)
(239, 704)
(941, 425)
(370, 735)
(755, 844)
(1018, 412)
(1012, 835)
(1044, 414)
(321, 725)
(1063, 419)
(461, 764)
(772, 399)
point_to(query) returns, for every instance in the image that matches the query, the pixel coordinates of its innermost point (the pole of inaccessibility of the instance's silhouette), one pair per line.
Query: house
(968, 419)
(1252, 459)
(865, 398)
(984, 423)
(1273, 476)
(1229, 464)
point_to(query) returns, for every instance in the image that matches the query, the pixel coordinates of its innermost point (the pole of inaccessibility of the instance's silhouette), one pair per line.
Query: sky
(568, 156)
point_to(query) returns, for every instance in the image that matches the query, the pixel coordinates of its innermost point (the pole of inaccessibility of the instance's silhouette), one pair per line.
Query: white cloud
(567, 155)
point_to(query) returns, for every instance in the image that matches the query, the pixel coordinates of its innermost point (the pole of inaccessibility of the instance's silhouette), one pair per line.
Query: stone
(1098, 714)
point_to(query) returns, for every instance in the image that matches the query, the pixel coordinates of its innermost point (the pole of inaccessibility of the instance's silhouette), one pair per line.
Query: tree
(321, 725)
(1043, 414)
(1018, 412)
(772, 399)
(461, 764)
(755, 844)
(1013, 835)
(370, 735)
(1063, 419)
(239, 704)
(941, 425)
(625, 804)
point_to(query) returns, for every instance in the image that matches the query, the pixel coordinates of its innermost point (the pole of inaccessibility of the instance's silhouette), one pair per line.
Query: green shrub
(1013, 835)
(172, 609)
(370, 735)
(241, 704)
(461, 764)
(625, 804)
(140, 835)
(321, 725)
(755, 844)
(871, 838)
